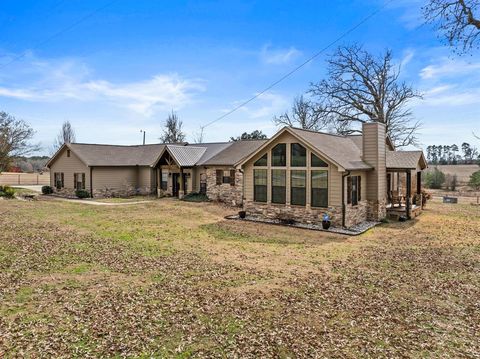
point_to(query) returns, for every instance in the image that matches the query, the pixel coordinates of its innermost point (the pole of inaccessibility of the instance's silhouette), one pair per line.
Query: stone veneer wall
(231, 195)
(354, 214)
(376, 211)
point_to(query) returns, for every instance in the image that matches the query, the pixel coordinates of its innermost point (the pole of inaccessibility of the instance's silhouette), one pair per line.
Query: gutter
(243, 184)
(344, 209)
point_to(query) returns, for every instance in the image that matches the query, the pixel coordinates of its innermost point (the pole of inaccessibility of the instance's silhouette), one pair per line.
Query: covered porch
(404, 184)
(175, 172)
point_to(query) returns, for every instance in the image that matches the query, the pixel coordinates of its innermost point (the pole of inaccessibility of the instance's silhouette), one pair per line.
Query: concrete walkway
(33, 188)
(94, 203)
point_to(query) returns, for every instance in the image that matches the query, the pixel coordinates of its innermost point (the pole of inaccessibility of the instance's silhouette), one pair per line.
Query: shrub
(7, 192)
(47, 190)
(475, 180)
(434, 179)
(81, 193)
(195, 197)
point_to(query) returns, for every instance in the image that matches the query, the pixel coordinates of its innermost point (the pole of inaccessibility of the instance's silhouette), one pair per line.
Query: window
(299, 187)
(317, 162)
(319, 188)
(279, 155)
(279, 186)
(260, 185)
(298, 155)
(58, 177)
(68, 153)
(354, 190)
(219, 177)
(262, 161)
(227, 177)
(203, 183)
(79, 180)
(164, 180)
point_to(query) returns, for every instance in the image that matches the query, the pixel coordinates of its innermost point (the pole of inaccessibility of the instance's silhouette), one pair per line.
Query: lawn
(174, 279)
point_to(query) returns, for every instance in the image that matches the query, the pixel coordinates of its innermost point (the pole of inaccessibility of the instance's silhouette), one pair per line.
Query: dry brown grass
(174, 279)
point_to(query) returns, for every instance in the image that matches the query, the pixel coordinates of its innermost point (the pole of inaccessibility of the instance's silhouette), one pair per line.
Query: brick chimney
(374, 153)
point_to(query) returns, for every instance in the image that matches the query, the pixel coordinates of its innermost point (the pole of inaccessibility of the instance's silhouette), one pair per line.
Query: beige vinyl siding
(374, 153)
(69, 166)
(114, 178)
(334, 177)
(146, 177)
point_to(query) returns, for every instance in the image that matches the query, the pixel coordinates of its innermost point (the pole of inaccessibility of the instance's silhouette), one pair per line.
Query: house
(298, 174)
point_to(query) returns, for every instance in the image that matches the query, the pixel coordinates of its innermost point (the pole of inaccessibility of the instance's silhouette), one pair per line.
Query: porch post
(409, 193)
(419, 182)
(157, 176)
(181, 191)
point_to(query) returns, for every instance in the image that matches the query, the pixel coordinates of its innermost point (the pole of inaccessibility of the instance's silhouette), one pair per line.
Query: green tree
(255, 135)
(434, 179)
(475, 181)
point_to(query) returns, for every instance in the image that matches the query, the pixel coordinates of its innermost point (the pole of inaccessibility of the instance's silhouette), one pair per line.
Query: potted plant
(326, 221)
(242, 214)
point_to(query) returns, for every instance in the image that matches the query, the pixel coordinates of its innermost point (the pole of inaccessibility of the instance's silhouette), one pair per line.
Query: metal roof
(186, 156)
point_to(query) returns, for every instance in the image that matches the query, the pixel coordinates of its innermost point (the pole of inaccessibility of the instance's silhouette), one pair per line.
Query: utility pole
(143, 136)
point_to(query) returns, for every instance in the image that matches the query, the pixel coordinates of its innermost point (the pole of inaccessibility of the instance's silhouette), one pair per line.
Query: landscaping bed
(351, 231)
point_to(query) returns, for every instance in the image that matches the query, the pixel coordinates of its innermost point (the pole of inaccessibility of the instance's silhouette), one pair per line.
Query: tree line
(453, 154)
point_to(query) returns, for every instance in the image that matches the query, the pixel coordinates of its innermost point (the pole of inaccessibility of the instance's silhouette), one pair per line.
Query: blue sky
(127, 66)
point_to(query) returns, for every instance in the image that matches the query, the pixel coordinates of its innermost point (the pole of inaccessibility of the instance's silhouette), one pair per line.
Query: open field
(173, 279)
(463, 172)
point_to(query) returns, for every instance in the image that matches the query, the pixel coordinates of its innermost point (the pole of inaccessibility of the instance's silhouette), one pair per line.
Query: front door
(176, 183)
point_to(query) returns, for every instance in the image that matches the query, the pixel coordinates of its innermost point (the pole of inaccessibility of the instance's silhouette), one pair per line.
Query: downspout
(344, 209)
(243, 185)
(91, 182)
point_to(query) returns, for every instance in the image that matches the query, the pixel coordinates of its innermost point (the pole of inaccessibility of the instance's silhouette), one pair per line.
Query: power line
(310, 59)
(62, 31)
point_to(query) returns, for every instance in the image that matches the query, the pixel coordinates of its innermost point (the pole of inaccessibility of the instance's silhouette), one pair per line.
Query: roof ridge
(319, 132)
(110, 145)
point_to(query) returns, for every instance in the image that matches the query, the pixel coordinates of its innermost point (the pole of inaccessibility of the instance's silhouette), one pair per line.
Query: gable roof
(406, 159)
(113, 155)
(185, 156)
(340, 150)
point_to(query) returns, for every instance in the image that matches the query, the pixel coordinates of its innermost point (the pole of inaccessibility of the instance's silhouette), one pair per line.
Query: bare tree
(458, 20)
(172, 132)
(301, 115)
(361, 88)
(15, 136)
(198, 136)
(66, 135)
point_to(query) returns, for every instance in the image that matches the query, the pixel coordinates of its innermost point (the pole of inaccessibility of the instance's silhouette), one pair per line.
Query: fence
(15, 179)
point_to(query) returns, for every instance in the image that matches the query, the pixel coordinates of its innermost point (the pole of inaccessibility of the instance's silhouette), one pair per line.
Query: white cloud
(279, 56)
(62, 80)
(407, 57)
(449, 67)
